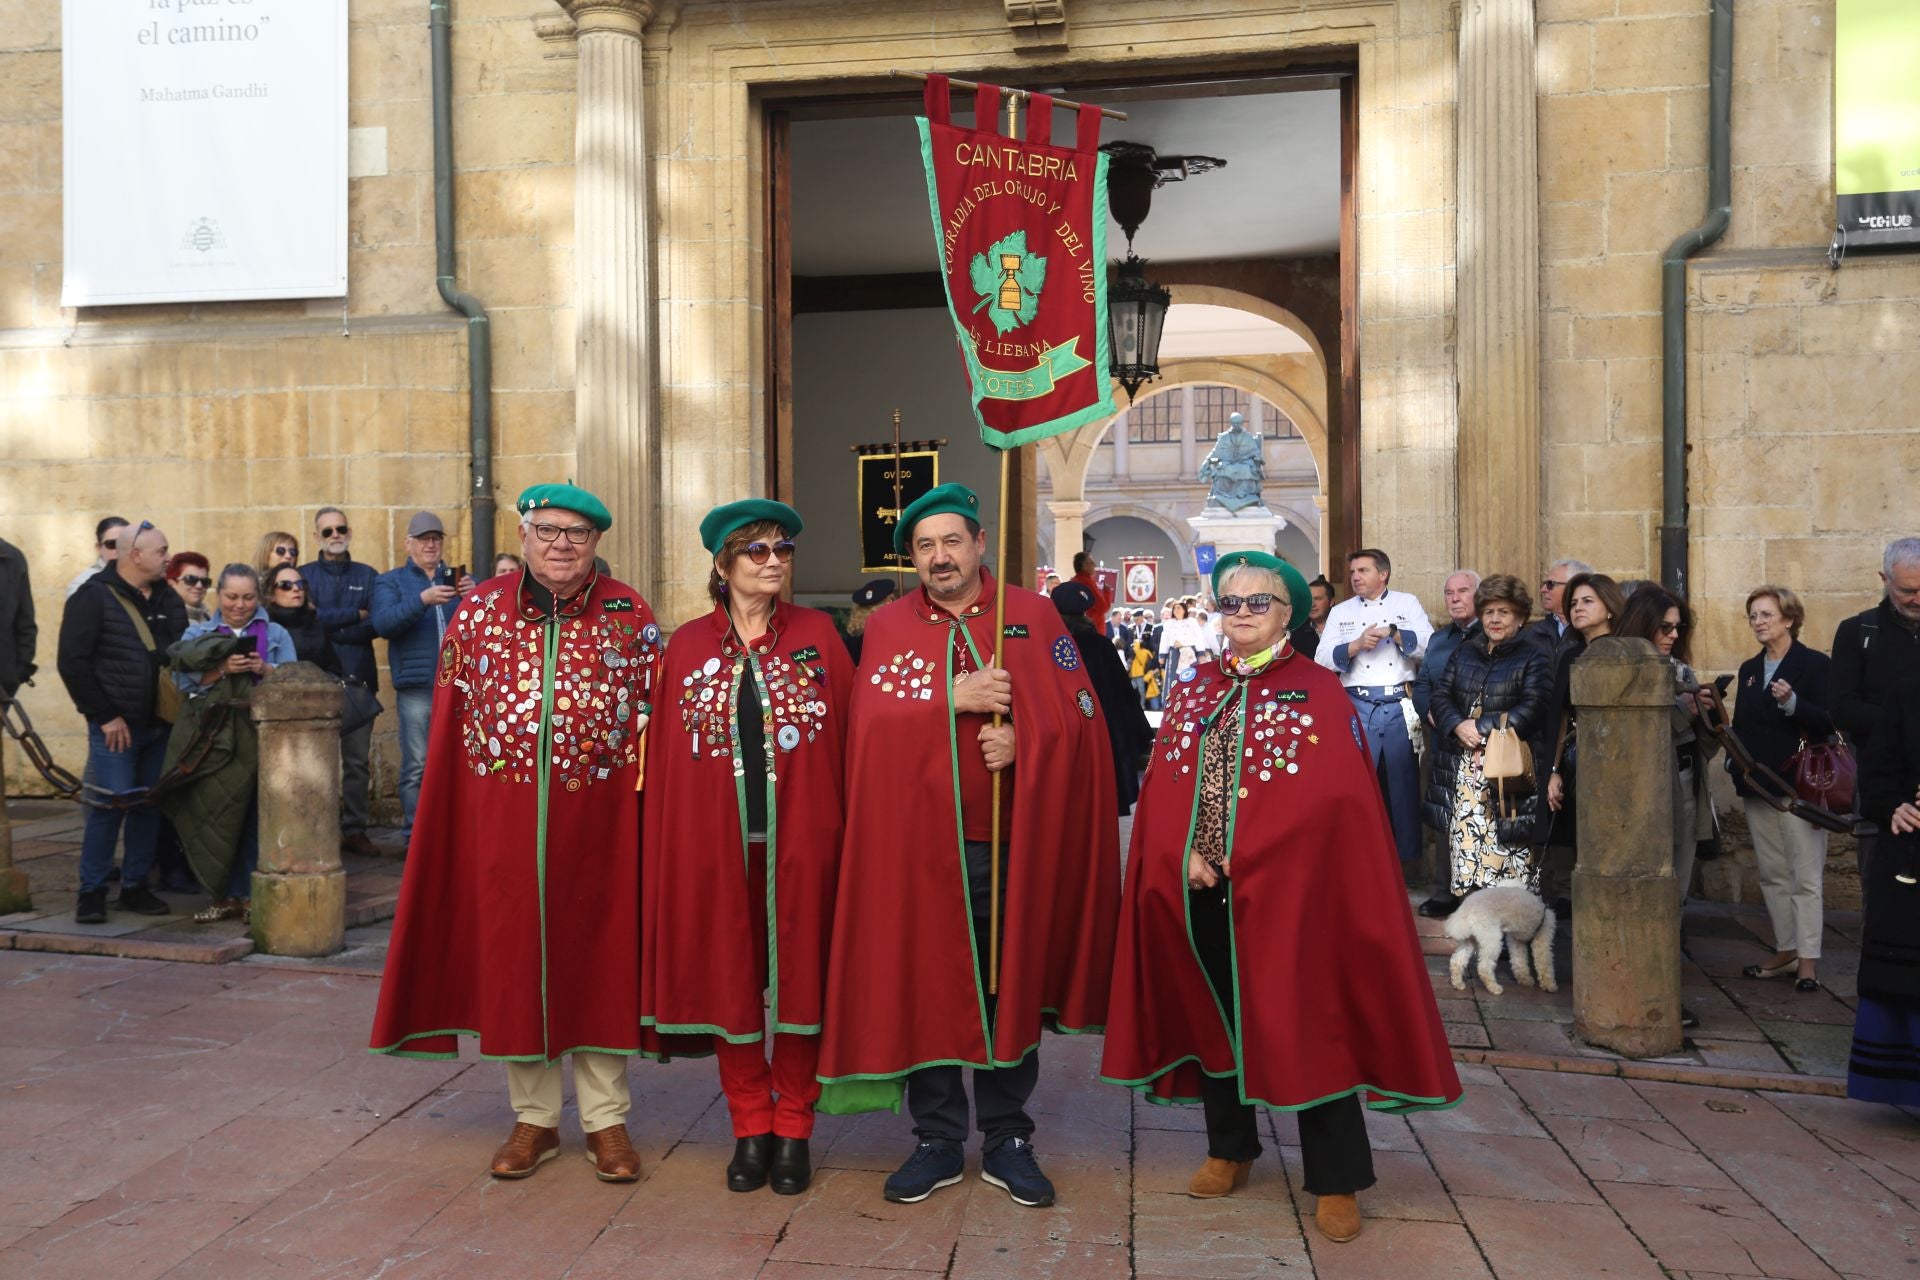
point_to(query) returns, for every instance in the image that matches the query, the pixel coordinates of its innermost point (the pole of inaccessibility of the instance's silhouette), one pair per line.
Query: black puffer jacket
(107, 669)
(309, 637)
(1515, 677)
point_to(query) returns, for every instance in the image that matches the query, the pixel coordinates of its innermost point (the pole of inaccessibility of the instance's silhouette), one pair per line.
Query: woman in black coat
(1781, 704)
(1128, 731)
(1494, 672)
(1885, 1065)
(287, 604)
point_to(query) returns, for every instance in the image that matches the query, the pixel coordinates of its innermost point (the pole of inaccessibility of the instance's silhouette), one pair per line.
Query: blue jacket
(279, 646)
(1439, 654)
(411, 629)
(338, 590)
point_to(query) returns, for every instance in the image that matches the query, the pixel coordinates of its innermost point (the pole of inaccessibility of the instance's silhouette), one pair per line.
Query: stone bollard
(299, 888)
(1626, 924)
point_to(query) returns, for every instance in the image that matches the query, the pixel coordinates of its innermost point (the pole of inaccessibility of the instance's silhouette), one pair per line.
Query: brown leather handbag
(1824, 773)
(1508, 763)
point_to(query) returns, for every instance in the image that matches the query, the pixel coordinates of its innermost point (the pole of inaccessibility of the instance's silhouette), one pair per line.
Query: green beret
(565, 497)
(1298, 594)
(722, 521)
(946, 499)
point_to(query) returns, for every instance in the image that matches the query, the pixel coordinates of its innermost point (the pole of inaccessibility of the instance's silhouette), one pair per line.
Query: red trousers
(752, 1085)
(763, 1098)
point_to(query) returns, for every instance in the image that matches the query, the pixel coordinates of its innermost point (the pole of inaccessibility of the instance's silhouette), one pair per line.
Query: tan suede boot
(1338, 1218)
(1219, 1178)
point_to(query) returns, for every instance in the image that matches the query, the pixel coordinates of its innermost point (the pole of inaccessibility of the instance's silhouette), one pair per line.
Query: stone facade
(221, 421)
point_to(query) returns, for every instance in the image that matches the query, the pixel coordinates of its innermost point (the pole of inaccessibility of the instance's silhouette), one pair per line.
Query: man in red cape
(520, 910)
(907, 988)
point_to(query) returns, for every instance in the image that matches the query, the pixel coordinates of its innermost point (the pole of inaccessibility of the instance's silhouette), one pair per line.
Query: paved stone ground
(183, 1120)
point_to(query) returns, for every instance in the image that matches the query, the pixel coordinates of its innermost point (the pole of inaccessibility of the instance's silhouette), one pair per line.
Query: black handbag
(359, 708)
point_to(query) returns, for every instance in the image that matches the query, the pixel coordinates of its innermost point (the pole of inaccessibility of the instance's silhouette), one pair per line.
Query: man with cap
(873, 593)
(909, 997)
(519, 912)
(411, 606)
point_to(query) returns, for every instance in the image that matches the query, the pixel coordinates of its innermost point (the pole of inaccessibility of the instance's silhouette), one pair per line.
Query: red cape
(901, 990)
(1331, 991)
(700, 963)
(520, 908)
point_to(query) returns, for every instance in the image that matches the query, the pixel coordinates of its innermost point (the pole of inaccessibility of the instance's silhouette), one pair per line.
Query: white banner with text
(206, 150)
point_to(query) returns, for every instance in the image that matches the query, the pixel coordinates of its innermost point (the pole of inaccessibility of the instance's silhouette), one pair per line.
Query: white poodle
(1487, 920)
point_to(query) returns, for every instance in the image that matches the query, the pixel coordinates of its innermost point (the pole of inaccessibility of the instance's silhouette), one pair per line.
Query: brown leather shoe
(1338, 1218)
(613, 1156)
(1219, 1178)
(527, 1148)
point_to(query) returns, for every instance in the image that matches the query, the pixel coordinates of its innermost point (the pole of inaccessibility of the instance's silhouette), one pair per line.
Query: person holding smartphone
(412, 605)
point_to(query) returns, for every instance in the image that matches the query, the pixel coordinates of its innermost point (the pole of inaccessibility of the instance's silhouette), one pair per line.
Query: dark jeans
(1334, 1151)
(937, 1096)
(137, 766)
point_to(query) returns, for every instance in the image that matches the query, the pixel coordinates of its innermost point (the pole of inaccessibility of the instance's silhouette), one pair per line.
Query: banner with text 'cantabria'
(1023, 248)
(1876, 121)
(206, 150)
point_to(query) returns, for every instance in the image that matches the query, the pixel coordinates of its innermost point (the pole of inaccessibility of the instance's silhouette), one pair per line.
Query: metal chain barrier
(19, 726)
(1767, 784)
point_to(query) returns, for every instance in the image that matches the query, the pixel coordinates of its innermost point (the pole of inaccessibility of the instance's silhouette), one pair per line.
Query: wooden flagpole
(999, 642)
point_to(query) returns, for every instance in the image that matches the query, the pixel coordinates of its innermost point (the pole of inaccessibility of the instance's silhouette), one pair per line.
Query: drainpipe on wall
(479, 332)
(1673, 303)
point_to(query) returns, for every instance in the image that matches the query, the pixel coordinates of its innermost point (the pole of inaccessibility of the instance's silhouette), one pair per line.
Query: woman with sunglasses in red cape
(743, 822)
(1267, 956)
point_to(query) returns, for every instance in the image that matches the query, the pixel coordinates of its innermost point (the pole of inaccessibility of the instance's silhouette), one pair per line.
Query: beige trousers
(599, 1086)
(1792, 856)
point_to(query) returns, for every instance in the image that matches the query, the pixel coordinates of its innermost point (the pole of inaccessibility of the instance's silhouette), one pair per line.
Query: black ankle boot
(792, 1169)
(747, 1171)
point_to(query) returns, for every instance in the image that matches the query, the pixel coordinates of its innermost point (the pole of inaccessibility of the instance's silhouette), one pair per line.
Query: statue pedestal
(1248, 529)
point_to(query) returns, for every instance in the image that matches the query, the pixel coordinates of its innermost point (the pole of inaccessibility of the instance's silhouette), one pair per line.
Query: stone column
(1498, 289)
(15, 894)
(1626, 923)
(1069, 532)
(616, 452)
(299, 888)
(1189, 452)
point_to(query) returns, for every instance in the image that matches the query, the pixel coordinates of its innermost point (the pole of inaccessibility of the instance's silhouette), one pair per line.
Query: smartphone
(459, 572)
(1722, 683)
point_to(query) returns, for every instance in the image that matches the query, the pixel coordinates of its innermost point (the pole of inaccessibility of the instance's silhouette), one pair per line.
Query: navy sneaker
(1011, 1167)
(932, 1165)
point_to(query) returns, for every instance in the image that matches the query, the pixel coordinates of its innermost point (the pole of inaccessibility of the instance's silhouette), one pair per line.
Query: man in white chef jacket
(1375, 639)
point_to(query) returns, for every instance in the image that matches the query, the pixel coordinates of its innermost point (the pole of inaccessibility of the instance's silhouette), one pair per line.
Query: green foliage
(985, 274)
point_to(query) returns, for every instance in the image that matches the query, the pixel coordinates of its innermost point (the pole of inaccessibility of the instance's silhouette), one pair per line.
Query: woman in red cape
(1266, 952)
(744, 769)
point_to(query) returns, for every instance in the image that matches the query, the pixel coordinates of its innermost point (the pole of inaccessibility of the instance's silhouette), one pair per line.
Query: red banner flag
(1023, 246)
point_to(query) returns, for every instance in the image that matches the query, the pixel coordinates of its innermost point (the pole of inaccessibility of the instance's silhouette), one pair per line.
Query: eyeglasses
(577, 534)
(759, 551)
(195, 580)
(1259, 604)
(289, 552)
(338, 531)
(290, 584)
(1551, 584)
(1672, 628)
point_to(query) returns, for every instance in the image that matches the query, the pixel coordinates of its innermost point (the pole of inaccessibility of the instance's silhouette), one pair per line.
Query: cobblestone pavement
(188, 1120)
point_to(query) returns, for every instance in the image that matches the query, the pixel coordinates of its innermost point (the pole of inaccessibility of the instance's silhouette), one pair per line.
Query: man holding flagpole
(910, 999)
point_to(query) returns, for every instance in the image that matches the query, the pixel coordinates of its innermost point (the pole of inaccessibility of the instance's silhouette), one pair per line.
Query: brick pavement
(183, 1120)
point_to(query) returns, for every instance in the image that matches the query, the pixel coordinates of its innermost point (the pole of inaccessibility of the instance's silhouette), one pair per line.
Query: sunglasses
(286, 551)
(338, 531)
(1549, 584)
(759, 551)
(290, 584)
(195, 580)
(1672, 628)
(1258, 603)
(577, 534)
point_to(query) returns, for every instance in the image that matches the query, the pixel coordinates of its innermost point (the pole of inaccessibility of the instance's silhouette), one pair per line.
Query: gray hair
(1265, 580)
(1472, 577)
(1900, 551)
(1578, 566)
(238, 571)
